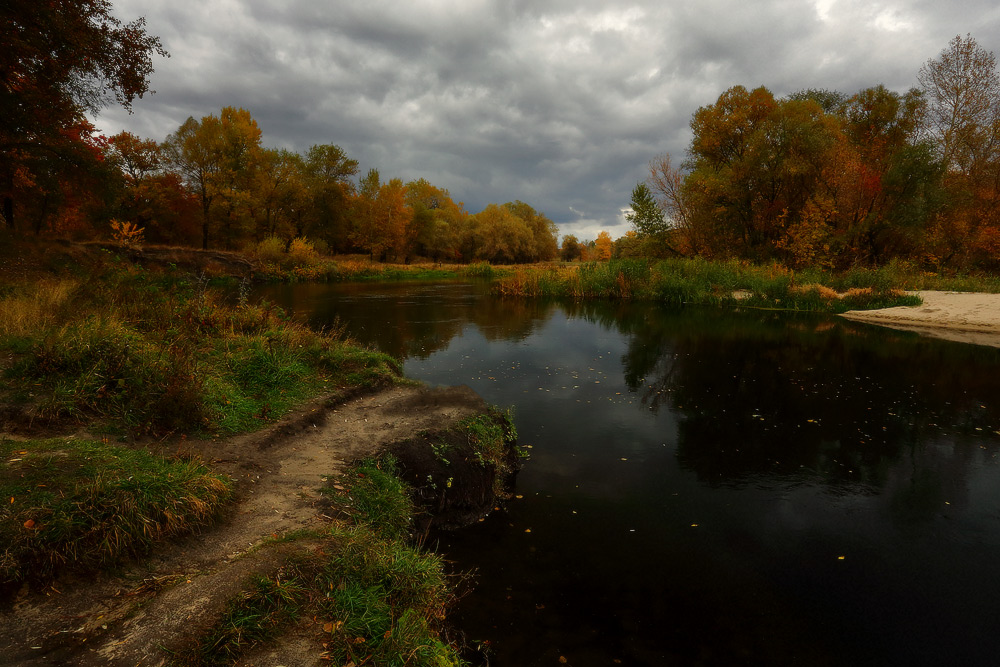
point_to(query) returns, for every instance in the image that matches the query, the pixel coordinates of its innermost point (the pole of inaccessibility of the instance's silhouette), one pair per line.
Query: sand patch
(968, 317)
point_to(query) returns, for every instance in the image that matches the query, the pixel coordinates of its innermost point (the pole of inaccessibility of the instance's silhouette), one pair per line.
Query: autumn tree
(278, 194)
(367, 232)
(60, 60)
(884, 211)
(501, 237)
(438, 221)
(149, 196)
(545, 234)
(217, 157)
(754, 160)
(329, 175)
(381, 216)
(603, 246)
(570, 249)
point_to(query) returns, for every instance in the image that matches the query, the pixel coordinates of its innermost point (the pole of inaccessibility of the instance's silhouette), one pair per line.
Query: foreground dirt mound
(459, 471)
(151, 610)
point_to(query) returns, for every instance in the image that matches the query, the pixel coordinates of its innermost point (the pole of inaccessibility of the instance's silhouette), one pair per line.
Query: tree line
(211, 183)
(823, 178)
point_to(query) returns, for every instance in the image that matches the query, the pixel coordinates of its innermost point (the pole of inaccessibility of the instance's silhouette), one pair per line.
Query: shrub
(270, 250)
(127, 234)
(301, 252)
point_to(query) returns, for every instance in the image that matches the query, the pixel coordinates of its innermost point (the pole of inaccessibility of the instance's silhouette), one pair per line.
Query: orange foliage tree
(602, 246)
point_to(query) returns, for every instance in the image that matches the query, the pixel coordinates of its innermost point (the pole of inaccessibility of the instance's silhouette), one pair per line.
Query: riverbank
(288, 479)
(967, 317)
(139, 407)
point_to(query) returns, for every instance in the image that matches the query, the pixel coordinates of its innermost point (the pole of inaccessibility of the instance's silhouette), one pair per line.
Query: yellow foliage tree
(602, 247)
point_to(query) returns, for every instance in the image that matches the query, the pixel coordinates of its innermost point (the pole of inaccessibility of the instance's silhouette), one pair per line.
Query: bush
(270, 250)
(301, 252)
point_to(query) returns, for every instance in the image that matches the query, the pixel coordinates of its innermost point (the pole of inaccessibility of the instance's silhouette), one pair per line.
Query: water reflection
(409, 320)
(698, 474)
(775, 397)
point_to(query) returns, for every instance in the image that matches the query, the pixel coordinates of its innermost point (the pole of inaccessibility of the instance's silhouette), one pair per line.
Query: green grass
(258, 615)
(81, 504)
(489, 436)
(483, 270)
(374, 495)
(721, 283)
(145, 352)
(387, 600)
(374, 598)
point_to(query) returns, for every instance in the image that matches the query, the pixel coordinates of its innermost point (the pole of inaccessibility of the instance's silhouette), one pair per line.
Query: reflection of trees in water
(761, 397)
(764, 396)
(510, 319)
(411, 320)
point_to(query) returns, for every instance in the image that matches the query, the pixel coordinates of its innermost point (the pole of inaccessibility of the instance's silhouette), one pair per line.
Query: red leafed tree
(61, 59)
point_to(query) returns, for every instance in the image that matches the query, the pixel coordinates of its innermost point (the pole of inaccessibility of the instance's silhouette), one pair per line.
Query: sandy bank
(967, 317)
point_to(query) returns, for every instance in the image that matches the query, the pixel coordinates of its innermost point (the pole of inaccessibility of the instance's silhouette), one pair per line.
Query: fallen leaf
(328, 627)
(29, 524)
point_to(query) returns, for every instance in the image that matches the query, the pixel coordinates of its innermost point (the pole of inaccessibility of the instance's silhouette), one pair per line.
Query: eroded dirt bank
(145, 612)
(968, 317)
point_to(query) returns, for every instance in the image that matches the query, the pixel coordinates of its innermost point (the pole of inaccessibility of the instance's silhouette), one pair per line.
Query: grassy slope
(132, 352)
(78, 503)
(141, 352)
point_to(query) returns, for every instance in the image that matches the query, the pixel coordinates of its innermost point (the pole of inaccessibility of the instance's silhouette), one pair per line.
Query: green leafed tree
(329, 175)
(645, 213)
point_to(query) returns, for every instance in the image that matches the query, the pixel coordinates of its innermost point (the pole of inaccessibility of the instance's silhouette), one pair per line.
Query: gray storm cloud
(559, 104)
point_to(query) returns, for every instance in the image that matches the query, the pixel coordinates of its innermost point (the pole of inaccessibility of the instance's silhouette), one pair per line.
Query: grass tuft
(29, 309)
(375, 598)
(84, 504)
(374, 495)
(257, 615)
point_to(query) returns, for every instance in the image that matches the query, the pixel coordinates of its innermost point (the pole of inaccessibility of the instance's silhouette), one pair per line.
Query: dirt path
(136, 616)
(960, 316)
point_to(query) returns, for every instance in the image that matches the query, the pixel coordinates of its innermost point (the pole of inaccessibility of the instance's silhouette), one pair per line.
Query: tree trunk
(8, 211)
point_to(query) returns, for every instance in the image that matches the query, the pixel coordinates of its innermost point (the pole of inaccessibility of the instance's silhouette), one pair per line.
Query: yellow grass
(823, 291)
(34, 307)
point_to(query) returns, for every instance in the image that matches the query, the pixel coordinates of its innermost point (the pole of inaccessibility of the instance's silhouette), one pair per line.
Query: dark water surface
(709, 487)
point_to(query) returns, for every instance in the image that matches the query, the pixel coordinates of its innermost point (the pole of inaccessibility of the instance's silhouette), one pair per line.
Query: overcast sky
(558, 103)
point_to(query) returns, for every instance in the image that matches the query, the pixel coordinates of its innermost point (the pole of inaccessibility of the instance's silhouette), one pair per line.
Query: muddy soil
(148, 611)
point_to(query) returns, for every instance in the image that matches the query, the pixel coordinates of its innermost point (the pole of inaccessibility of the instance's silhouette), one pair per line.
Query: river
(712, 487)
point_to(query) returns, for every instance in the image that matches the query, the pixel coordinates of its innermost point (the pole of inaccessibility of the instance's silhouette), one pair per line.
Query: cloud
(560, 104)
